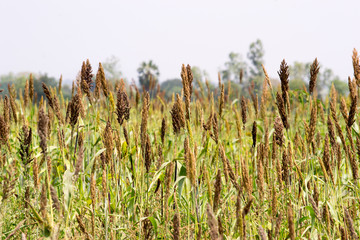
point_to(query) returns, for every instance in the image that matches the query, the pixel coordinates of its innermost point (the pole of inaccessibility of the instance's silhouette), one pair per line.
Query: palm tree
(148, 70)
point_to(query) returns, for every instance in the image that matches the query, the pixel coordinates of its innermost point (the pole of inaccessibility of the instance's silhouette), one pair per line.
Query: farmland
(118, 162)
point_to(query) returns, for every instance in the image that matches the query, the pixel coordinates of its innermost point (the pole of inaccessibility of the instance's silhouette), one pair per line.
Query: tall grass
(124, 166)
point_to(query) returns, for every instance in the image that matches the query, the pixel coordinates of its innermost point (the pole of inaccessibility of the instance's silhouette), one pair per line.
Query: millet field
(118, 162)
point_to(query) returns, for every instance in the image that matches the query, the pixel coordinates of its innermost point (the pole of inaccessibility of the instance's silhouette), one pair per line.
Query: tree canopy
(148, 71)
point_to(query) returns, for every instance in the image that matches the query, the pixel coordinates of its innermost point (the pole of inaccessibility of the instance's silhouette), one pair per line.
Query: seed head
(122, 106)
(108, 141)
(177, 114)
(43, 129)
(144, 119)
(243, 111)
(314, 70)
(282, 111)
(100, 77)
(356, 66)
(284, 79)
(212, 222)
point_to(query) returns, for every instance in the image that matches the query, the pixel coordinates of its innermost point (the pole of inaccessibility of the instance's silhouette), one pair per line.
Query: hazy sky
(56, 36)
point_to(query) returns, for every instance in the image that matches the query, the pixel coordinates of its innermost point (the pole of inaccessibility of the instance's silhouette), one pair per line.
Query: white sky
(56, 36)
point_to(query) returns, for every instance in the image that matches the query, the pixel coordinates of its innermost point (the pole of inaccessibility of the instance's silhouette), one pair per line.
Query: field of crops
(115, 162)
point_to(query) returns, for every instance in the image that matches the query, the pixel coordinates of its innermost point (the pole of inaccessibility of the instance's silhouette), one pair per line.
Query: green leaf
(157, 175)
(91, 163)
(154, 223)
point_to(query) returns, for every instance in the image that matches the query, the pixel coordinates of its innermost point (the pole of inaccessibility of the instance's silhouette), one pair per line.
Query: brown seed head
(36, 173)
(108, 141)
(54, 197)
(282, 111)
(221, 100)
(245, 177)
(53, 102)
(4, 135)
(331, 131)
(212, 222)
(100, 77)
(176, 226)
(353, 107)
(291, 224)
(26, 93)
(48, 95)
(122, 106)
(86, 89)
(88, 74)
(60, 84)
(31, 87)
(312, 124)
(215, 128)
(285, 168)
(74, 109)
(80, 156)
(217, 191)
(267, 79)
(278, 126)
(284, 78)
(187, 78)
(148, 158)
(243, 111)
(253, 132)
(43, 201)
(315, 207)
(163, 130)
(241, 75)
(144, 119)
(12, 96)
(262, 233)
(356, 66)
(25, 144)
(350, 224)
(177, 114)
(126, 135)
(43, 129)
(247, 207)
(314, 70)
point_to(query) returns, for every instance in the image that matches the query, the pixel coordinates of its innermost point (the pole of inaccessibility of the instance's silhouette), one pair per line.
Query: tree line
(239, 73)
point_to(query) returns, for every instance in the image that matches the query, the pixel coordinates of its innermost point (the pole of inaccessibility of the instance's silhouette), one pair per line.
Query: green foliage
(300, 73)
(299, 70)
(18, 80)
(112, 68)
(297, 84)
(233, 67)
(255, 55)
(171, 86)
(199, 76)
(341, 87)
(43, 78)
(148, 70)
(130, 200)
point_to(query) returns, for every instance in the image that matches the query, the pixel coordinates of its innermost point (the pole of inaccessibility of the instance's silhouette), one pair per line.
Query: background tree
(255, 55)
(19, 80)
(341, 86)
(112, 68)
(171, 86)
(199, 76)
(300, 77)
(299, 70)
(233, 67)
(146, 71)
